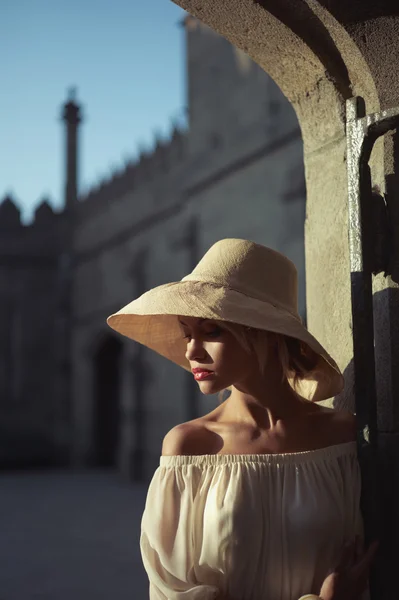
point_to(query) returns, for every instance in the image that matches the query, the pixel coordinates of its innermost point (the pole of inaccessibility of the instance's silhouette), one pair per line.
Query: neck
(264, 401)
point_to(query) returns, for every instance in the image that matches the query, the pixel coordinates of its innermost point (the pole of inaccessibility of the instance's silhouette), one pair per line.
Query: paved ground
(70, 536)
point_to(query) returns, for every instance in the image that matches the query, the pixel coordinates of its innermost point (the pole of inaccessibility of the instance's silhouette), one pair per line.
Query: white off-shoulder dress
(253, 526)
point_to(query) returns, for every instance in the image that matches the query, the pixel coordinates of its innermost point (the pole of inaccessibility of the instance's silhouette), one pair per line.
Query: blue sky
(126, 59)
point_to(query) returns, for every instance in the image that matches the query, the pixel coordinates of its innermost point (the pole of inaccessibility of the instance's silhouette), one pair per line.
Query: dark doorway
(107, 401)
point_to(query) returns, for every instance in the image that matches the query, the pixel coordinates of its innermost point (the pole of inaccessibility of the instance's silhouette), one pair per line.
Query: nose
(195, 350)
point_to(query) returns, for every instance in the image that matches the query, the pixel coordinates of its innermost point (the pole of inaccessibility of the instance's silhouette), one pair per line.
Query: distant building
(72, 392)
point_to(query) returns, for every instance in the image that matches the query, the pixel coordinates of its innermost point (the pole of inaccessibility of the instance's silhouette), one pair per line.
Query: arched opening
(106, 422)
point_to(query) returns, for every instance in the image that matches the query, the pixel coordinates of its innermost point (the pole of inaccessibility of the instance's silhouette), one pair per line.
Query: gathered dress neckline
(325, 452)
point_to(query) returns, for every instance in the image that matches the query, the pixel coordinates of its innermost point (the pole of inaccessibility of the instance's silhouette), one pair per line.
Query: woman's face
(211, 347)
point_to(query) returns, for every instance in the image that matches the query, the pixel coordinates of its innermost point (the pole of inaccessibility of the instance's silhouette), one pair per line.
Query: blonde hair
(297, 360)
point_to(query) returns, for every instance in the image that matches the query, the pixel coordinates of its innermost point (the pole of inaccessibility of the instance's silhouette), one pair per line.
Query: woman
(259, 499)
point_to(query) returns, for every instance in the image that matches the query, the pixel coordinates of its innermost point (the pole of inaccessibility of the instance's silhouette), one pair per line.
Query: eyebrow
(199, 321)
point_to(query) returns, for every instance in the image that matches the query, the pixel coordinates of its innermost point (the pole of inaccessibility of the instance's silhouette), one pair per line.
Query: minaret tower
(71, 114)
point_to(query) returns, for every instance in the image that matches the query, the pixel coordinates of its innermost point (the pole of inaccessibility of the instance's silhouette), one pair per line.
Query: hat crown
(251, 269)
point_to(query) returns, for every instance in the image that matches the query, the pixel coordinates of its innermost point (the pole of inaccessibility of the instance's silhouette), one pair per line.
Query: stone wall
(32, 418)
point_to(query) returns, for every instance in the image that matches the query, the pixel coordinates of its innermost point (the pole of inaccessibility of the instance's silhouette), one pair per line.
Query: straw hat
(237, 281)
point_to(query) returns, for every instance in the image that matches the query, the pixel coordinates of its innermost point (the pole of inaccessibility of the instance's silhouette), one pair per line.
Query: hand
(349, 578)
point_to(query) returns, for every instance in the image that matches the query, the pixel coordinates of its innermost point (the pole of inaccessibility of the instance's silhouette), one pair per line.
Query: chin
(207, 388)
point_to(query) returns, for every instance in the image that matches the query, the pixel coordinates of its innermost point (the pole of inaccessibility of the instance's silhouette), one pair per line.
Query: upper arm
(166, 533)
(184, 439)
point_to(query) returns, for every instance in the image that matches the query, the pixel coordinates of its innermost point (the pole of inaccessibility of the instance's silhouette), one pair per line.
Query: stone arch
(303, 47)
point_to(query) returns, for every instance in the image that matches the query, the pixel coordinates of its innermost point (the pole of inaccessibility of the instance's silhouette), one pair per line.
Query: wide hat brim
(152, 321)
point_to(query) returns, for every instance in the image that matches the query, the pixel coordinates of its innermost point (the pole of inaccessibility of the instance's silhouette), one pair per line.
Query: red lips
(199, 370)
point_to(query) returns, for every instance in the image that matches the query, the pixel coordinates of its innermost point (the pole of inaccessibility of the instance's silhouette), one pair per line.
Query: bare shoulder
(346, 424)
(186, 439)
(341, 424)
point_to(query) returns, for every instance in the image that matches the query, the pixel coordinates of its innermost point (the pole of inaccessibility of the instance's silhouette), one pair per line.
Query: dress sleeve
(166, 539)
